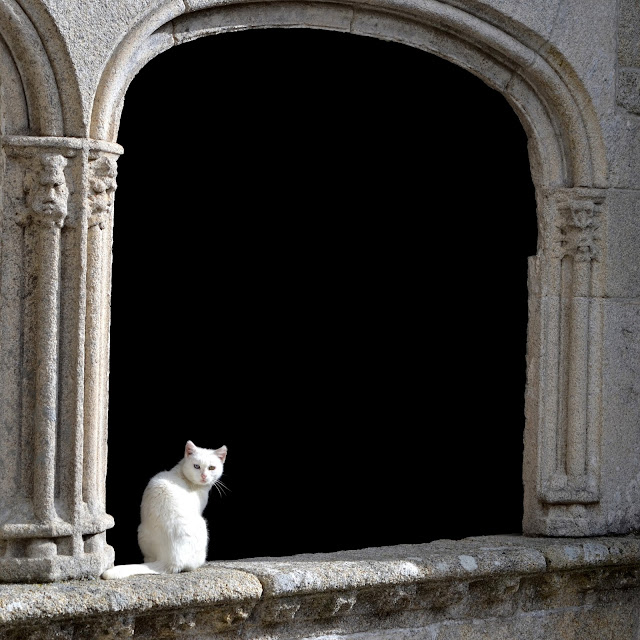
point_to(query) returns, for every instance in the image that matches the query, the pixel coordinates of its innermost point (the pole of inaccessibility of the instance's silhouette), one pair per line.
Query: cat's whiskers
(221, 487)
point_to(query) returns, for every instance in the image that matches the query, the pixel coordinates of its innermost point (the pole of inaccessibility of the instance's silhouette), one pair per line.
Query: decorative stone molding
(578, 236)
(46, 192)
(102, 185)
(565, 360)
(58, 197)
(35, 73)
(564, 130)
(103, 171)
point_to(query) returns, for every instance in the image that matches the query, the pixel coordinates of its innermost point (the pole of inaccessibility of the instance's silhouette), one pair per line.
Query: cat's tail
(126, 570)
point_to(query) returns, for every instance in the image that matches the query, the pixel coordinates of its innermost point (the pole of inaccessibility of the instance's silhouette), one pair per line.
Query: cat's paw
(173, 568)
(114, 573)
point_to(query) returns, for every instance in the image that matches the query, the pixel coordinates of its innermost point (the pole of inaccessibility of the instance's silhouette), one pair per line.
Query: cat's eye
(212, 468)
(197, 466)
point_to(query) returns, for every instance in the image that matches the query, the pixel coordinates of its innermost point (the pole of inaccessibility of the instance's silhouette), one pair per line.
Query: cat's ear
(221, 453)
(189, 449)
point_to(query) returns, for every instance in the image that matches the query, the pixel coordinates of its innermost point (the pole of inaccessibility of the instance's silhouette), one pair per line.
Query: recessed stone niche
(568, 71)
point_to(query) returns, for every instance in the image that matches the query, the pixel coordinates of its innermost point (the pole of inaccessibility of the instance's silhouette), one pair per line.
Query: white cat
(173, 534)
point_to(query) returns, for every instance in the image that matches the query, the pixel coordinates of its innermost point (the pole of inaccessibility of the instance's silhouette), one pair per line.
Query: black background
(320, 254)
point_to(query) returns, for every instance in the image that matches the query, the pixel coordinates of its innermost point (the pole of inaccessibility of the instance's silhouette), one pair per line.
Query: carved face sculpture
(103, 185)
(46, 189)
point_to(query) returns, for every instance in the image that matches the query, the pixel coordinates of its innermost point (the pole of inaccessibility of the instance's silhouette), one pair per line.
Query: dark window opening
(320, 255)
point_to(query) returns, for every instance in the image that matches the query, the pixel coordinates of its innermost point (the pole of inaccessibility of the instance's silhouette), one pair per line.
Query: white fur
(173, 534)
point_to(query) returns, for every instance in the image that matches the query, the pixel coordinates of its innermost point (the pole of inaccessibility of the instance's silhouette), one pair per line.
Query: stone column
(55, 248)
(564, 387)
(102, 186)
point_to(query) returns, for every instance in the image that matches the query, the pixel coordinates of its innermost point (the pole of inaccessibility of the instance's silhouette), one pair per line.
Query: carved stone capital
(577, 226)
(102, 186)
(79, 174)
(46, 191)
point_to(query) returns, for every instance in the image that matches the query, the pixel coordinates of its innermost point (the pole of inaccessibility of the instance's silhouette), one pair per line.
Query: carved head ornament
(578, 230)
(46, 190)
(102, 183)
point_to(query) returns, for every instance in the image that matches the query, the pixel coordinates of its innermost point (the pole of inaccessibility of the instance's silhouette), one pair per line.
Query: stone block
(628, 95)
(628, 33)
(621, 131)
(621, 407)
(622, 265)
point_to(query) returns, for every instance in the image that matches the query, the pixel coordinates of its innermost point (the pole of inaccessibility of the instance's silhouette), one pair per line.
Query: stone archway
(58, 329)
(301, 337)
(568, 169)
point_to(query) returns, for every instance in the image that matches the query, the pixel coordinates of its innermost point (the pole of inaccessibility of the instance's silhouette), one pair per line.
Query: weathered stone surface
(231, 593)
(65, 69)
(52, 517)
(573, 25)
(629, 56)
(622, 131)
(504, 586)
(622, 268)
(398, 564)
(622, 400)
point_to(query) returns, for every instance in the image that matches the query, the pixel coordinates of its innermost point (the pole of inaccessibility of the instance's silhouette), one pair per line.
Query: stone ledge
(398, 587)
(470, 558)
(208, 587)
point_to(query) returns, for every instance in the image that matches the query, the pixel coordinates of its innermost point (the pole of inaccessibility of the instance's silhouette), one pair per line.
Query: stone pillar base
(59, 567)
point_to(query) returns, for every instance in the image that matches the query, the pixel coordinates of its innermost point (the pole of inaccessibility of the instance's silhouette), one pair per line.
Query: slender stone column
(564, 388)
(58, 203)
(46, 198)
(102, 186)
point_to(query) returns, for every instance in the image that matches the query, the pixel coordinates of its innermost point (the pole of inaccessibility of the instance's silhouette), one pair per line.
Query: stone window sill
(404, 586)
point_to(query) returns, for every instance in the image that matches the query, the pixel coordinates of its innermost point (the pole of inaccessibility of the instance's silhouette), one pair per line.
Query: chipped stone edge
(209, 586)
(256, 580)
(442, 560)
